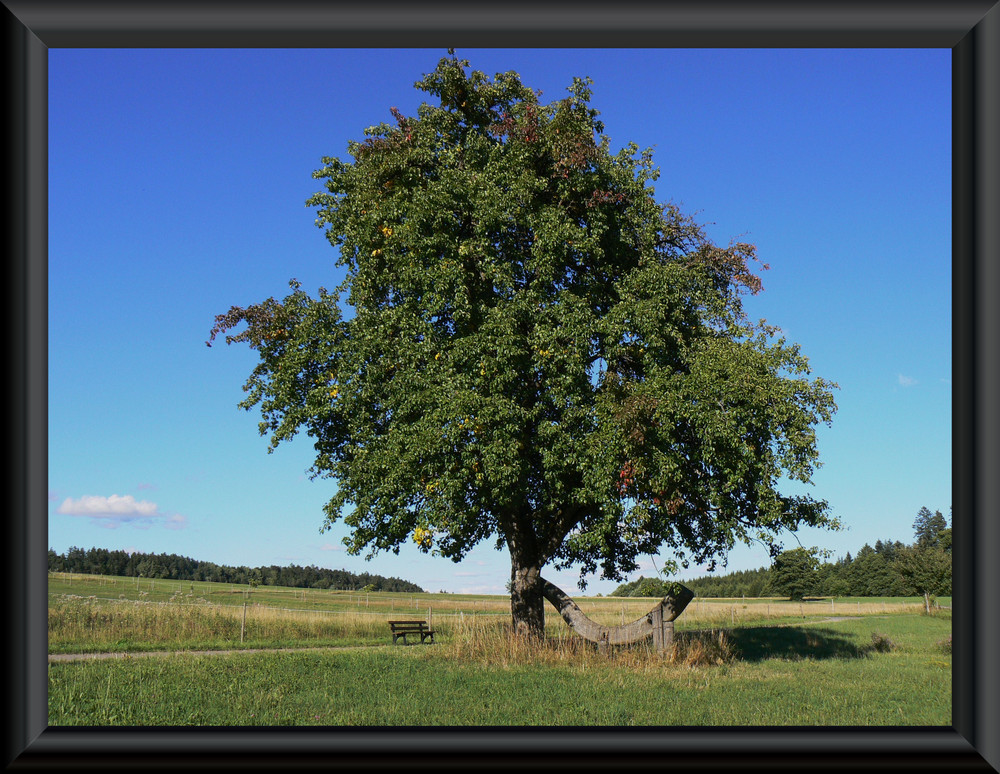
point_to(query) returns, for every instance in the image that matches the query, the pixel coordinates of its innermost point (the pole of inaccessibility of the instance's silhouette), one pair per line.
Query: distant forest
(100, 561)
(878, 571)
(869, 574)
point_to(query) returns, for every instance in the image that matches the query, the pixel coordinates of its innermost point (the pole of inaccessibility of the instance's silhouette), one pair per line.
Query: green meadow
(733, 662)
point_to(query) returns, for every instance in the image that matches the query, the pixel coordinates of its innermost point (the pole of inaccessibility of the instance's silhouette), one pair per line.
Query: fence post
(663, 631)
(657, 616)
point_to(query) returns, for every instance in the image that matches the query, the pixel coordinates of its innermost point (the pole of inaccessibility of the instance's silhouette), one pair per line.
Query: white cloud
(113, 511)
(331, 547)
(906, 381)
(118, 505)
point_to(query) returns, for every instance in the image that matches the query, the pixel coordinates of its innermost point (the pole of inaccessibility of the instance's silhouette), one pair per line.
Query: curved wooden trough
(657, 623)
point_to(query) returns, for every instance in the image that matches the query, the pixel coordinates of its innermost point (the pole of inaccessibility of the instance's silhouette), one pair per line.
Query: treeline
(750, 583)
(100, 561)
(873, 572)
(888, 569)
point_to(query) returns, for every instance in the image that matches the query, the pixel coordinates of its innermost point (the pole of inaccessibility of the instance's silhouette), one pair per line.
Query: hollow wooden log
(665, 611)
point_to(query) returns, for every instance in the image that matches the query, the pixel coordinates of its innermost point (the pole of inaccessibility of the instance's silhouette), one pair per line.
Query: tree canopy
(794, 572)
(528, 347)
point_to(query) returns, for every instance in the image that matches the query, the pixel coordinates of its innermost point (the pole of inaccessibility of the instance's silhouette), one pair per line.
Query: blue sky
(177, 188)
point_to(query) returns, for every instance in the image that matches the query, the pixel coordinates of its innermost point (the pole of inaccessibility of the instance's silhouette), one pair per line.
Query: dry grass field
(93, 613)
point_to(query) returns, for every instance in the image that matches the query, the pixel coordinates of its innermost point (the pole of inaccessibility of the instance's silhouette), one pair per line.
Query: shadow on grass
(754, 644)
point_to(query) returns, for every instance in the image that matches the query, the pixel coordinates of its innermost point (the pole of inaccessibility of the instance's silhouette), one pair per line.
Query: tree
(926, 565)
(928, 527)
(794, 573)
(928, 571)
(529, 348)
(873, 574)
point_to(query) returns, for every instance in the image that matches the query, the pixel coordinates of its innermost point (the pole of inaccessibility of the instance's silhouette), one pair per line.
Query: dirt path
(64, 657)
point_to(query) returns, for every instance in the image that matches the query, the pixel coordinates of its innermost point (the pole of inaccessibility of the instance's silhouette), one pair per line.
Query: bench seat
(400, 630)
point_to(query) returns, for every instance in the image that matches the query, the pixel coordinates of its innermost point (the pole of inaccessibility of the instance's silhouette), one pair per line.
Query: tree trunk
(527, 603)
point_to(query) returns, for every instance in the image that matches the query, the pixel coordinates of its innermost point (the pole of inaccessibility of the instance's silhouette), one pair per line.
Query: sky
(177, 188)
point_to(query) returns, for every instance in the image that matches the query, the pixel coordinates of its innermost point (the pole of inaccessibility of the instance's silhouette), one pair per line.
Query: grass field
(735, 662)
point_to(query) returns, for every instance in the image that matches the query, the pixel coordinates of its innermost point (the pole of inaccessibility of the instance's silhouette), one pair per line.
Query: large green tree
(528, 347)
(794, 573)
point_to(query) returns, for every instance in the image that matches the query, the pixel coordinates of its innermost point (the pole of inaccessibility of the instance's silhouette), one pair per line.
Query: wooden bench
(403, 628)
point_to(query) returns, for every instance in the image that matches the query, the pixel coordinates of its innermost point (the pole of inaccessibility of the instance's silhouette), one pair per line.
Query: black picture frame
(970, 28)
